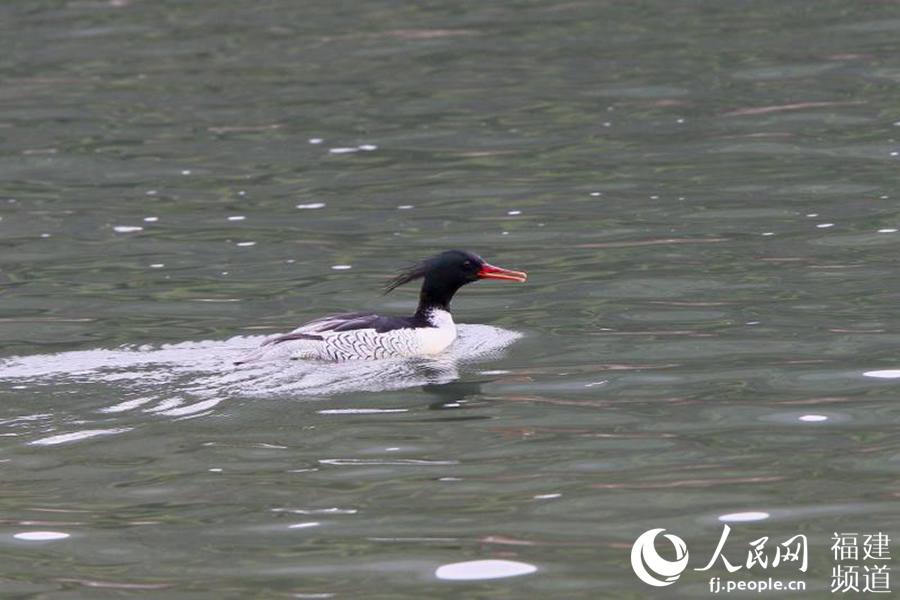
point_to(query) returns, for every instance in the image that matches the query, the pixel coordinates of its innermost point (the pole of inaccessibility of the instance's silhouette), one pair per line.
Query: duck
(370, 336)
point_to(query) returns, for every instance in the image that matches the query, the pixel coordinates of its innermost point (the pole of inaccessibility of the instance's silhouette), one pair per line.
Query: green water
(704, 195)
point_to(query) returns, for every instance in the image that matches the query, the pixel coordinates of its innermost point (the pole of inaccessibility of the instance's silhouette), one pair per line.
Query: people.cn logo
(653, 569)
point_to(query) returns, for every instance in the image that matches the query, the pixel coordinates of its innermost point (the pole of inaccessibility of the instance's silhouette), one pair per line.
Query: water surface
(703, 194)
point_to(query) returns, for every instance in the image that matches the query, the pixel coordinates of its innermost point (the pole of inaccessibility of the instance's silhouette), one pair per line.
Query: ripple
(361, 411)
(202, 371)
(191, 380)
(318, 511)
(416, 462)
(192, 409)
(77, 436)
(126, 406)
(304, 525)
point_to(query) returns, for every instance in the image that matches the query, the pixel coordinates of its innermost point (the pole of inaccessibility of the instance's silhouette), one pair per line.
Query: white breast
(435, 339)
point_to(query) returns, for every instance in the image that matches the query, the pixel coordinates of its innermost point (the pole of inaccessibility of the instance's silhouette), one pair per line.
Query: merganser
(368, 336)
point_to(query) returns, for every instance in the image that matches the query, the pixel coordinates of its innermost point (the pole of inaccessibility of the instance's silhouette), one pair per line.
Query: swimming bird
(368, 336)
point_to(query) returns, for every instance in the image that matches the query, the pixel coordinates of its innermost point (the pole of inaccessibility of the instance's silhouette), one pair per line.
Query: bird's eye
(467, 264)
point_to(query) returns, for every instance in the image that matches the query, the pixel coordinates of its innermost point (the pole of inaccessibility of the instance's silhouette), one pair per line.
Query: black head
(448, 271)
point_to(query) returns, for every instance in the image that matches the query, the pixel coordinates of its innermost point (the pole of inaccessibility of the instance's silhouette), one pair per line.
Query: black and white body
(368, 336)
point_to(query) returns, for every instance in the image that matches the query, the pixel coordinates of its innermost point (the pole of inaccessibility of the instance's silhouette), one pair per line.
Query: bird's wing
(339, 322)
(317, 328)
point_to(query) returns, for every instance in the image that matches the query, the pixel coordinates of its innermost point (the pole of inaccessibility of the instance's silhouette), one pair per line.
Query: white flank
(362, 344)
